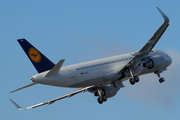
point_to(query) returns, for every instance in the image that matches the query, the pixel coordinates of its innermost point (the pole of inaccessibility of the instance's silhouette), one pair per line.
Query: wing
(55, 99)
(155, 38)
(146, 49)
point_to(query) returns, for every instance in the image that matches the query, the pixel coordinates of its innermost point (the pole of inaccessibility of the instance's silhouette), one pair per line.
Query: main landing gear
(161, 79)
(133, 80)
(102, 95)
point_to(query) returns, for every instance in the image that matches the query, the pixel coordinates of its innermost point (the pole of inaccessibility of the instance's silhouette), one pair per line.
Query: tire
(100, 101)
(136, 79)
(161, 80)
(96, 94)
(104, 98)
(132, 81)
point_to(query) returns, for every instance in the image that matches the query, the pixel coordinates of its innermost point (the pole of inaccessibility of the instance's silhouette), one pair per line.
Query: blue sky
(81, 30)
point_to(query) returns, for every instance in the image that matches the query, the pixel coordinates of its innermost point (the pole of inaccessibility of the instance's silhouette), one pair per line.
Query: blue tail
(40, 62)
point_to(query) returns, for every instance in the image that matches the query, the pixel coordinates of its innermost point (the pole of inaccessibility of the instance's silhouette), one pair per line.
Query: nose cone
(168, 60)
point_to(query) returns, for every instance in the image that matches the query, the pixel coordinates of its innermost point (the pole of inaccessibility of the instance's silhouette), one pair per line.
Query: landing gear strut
(133, 78)
(102, 95)
(161, 79)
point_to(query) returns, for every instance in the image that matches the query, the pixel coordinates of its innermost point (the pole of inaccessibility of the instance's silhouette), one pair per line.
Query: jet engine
(155, 62)
(110, 90)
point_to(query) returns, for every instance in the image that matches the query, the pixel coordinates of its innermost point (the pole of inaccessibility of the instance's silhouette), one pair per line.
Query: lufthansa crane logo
(34, 55)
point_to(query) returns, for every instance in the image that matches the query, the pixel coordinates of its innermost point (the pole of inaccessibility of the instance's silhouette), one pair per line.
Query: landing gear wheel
(161, 80)
(104, 98)
(136, 79)
(100, 100)
(96, 94)
(132, 81)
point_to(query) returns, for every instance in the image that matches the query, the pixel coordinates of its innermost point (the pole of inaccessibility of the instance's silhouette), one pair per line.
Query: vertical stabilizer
(40, 62)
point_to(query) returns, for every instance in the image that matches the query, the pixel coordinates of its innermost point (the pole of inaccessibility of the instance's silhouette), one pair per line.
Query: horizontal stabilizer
(23, 87)
(55, 69)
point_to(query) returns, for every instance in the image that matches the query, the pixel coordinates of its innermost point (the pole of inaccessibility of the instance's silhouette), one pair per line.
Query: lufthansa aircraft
(102, 77)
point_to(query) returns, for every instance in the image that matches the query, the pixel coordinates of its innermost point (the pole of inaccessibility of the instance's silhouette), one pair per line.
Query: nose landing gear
(161, 79)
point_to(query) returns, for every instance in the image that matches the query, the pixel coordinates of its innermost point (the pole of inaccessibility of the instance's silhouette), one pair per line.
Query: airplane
(102, 77)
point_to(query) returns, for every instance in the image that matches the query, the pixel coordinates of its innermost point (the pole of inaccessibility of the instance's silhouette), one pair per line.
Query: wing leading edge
(146, 49)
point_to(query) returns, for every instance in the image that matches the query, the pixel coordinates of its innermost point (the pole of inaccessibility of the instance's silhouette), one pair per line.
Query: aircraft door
(72, 75)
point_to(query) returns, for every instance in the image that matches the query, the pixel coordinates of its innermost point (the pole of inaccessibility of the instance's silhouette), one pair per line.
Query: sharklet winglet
(164, 16)
(55, 69)
(17, 106)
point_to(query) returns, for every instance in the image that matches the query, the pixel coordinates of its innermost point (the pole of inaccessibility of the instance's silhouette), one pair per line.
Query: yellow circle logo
(34, 55)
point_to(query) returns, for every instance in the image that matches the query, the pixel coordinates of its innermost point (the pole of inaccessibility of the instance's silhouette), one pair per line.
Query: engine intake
(111, 90)
(149, 64)
(155, 62)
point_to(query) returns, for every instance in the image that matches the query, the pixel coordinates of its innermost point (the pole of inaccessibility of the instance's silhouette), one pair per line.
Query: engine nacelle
(155, 62)
(111, 90)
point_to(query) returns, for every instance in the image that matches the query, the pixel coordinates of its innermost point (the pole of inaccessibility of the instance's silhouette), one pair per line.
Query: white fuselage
(94, 72)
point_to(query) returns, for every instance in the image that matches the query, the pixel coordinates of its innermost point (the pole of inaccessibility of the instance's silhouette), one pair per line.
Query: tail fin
(40, 62)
